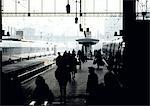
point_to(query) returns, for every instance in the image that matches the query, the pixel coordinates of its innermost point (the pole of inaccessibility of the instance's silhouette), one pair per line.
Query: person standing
(58, 60)
(92, 85)
(98, 59)
(92, 82)
(79, 55)
(73, 66)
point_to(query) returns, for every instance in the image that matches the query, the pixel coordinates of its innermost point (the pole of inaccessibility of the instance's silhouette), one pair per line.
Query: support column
(135, 58)
(0, 48)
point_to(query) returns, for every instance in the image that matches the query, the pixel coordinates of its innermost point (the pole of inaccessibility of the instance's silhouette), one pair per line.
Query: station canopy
(88, 41)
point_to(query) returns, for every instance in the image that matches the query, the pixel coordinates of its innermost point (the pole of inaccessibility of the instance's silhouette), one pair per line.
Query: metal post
(41, 6)
(106, 5)
(0, 20)
(129, 18)
(80, 8)
(0, 42)
(54, 6)
(28, 7)
(16, 6)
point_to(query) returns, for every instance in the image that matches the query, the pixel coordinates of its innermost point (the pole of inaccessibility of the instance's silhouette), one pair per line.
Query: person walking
(62, 75)
(98, 59)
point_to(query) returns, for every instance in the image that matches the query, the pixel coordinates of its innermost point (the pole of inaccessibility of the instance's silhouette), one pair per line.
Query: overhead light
(87, 29)
(84, 33)
(68, 8)
(28, 14)
(80, 14)
(76, 20)
(80, 27)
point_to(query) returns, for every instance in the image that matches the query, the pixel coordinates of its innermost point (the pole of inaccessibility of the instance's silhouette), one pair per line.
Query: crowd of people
(65, 72)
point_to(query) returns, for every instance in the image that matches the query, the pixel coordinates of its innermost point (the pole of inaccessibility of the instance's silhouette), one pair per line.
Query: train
(113, 52)
(17, 50)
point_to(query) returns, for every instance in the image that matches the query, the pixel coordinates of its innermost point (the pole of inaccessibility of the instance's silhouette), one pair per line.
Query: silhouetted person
(82, 56)
(62, 75)
(73, 53)
(73, 66)
(111, 80)
(110, 62)
(109, 91)
(92, 82)
(91, 54)
(79, 55)
(117, 62)
(42, 92)
(98, 59)
(95, 53)
(58, 60)
(92, 85)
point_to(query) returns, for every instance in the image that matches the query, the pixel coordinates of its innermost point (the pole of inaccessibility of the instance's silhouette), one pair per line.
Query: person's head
(110, 80)
(91, 70)
(58, 53)
(40, 80)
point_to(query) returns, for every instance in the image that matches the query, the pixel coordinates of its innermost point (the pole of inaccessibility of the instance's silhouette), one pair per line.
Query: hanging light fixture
(84, 34)
(80, 27)
(80, 8)
(28, 8)
(68, 7)
(76, 19)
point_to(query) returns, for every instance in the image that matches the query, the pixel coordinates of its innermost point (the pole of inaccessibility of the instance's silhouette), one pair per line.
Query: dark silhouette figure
(109, 92)
(92, 82)
(58, 60)
(91, 54)
(62, 75)
(111, 80)
(83, 57)
(95, 53)
(79, 55)
(11, 90)
(73, 66)
(110, 62)
(42, 92)
(92, 85)
(73, 53)
(117, 62)
(98, 59)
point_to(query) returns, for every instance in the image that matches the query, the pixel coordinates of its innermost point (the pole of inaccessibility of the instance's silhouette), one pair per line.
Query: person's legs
(61, 93)
(80, 64)
(64, 94)
(73, 74)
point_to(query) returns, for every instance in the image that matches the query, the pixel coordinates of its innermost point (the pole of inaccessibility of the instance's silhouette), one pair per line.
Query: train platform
(76, 89)
(27, 64)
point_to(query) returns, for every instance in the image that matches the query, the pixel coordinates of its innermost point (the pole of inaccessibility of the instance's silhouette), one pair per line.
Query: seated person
(42, 92)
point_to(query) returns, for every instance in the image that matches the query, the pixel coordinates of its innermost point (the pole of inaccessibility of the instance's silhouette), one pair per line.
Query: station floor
(76, 90)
